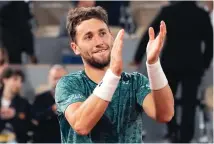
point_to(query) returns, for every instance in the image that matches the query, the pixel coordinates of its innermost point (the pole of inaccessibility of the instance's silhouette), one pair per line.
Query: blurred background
(35, 54)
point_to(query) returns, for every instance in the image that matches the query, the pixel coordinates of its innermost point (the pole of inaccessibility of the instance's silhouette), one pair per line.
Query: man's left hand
(155, 45)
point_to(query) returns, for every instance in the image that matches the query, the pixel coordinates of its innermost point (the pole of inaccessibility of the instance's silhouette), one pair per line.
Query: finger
(161, 34)
(151, 34)
(121, 40)
(118, 43)
(164, 27)
(119, 46)
(120, 35)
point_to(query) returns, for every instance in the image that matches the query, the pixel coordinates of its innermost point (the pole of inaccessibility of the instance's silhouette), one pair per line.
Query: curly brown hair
(80, 14)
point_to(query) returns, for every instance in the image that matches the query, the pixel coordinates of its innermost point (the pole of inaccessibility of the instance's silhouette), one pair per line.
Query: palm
(155, 44)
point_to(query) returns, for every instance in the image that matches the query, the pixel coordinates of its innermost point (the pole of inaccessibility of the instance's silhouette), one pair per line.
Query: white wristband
(106, 88)
(156, 76)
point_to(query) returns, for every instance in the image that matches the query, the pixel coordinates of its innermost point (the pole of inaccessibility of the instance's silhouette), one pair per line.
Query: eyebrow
(100, 30)
(87, 33)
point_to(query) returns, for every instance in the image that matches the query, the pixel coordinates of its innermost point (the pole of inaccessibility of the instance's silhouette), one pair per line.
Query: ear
(75, 48)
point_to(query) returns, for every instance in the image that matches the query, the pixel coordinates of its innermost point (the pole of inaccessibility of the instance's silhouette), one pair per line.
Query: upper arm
(143, 88)
(67, 95)
(70, 110)
(149, 106)
(144, 96)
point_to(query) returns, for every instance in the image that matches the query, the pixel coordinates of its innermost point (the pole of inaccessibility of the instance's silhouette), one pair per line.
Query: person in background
(44, 110)
(16, 35)
(182, 59)
(14, 110)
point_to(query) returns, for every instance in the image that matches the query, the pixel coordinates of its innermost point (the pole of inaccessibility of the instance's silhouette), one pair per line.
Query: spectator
(14, 110)
(16, 35)
(182, 59)
(44, 111)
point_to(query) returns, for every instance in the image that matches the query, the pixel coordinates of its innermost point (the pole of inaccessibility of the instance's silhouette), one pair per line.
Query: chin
(100, 64)
(102, 58)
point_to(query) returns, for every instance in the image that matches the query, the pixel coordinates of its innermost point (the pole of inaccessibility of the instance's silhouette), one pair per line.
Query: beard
(99, 63)
(96, 63)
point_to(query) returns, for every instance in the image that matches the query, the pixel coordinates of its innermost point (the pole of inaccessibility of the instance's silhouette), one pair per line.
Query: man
(182, 59)
(16, 34)
(14, 111)
(101, 103)
(44, 110)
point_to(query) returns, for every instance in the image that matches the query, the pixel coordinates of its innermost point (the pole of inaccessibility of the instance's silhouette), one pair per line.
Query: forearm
(164, 103)
(163, 100)
(88, 114)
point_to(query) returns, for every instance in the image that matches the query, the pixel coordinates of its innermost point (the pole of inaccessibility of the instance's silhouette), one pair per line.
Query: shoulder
(70, 79)
(69, 84)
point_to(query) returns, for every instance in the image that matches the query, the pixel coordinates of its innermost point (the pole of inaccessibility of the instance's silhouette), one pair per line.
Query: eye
(88, 37)
(102, 33)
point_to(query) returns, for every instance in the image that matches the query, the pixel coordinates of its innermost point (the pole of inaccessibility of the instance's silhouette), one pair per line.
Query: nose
(99, 41)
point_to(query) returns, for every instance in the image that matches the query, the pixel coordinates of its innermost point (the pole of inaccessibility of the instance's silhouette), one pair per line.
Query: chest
(123, 108)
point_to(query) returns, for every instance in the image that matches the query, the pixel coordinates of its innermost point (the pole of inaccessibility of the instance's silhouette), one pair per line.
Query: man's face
(54, 76)
(93, 42)
(14, 84)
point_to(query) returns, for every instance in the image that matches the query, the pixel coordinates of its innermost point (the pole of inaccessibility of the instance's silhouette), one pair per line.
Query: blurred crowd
(187, 55)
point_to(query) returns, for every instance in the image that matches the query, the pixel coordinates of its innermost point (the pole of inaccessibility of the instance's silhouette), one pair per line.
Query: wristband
(106, 88)
(156, 76)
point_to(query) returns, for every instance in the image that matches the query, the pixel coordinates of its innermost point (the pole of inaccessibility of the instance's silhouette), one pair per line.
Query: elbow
(81, 129)
(165, 118)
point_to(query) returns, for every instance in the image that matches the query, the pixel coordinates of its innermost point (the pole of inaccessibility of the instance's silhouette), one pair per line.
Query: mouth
(100, 51)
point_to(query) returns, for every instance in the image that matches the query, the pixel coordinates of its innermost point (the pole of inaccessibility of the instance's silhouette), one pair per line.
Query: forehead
(91, 25)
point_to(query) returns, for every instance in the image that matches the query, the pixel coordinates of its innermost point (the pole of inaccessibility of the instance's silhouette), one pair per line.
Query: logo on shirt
(100, 83)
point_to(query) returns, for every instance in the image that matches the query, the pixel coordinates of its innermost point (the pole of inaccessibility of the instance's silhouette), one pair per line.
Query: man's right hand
(116, 64)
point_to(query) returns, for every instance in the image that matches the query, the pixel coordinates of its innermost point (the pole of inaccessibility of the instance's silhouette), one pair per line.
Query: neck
(7, 94)
(95, 74)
